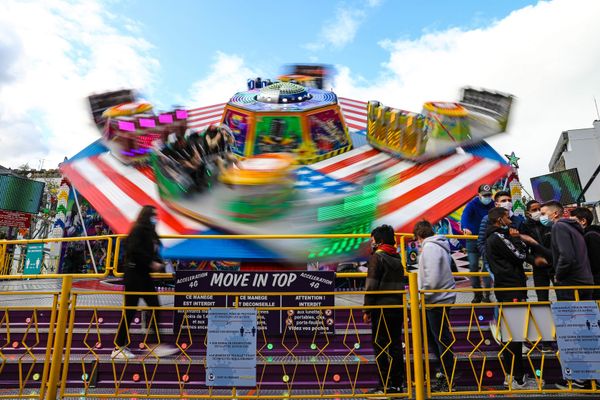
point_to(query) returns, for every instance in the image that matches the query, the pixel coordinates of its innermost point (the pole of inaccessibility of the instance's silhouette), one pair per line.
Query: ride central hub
(286, 117)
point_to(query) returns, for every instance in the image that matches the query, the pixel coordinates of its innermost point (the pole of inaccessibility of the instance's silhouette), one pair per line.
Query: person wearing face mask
(501, 199)
(543, 274)
(592, 240)
(385, 273)
(474, 212)
(506, 254)
(142, 258)
(569, 252)
(435, 273)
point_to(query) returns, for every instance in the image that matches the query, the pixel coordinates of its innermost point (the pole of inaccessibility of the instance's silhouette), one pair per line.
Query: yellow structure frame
(65, 303)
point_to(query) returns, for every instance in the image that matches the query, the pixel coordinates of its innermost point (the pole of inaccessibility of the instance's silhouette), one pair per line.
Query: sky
(194, 53)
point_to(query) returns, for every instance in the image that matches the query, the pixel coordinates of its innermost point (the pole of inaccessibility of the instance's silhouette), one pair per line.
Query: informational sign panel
(231, 347)
(578, 338)
(33, 259)
(302, 322)
(17, 219)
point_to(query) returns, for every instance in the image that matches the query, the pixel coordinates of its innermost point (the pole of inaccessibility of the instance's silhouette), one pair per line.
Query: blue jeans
(473, 257)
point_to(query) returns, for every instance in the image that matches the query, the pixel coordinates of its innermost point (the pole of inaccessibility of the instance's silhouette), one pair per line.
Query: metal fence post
(59, 338)
(417, 336)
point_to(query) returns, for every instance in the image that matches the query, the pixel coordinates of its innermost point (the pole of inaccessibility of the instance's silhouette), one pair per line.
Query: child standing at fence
(385, 273)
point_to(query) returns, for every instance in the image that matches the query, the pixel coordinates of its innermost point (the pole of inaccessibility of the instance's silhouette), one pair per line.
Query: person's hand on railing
(467, 231)
(156, 266)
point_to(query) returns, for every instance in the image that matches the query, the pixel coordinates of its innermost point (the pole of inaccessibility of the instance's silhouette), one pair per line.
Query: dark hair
(496, 213)
(143, 218)
(384, 234)
(423, 229)
(583, 213)
(554, 205)
(530, 203)
(212, 131)
(501, 193)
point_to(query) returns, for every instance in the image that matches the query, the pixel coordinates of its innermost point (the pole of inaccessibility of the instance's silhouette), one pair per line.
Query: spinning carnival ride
(304, 167)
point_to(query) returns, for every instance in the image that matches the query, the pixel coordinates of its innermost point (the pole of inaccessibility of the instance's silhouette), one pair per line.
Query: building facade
(580, 148)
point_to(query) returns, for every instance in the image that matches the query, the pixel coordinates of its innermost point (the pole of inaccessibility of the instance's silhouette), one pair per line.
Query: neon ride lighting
(147, 123)
(165, 118)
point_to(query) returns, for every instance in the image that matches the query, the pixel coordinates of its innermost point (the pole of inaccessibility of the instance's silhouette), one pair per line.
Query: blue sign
(231, 347)
(578, 338)
(33, 260)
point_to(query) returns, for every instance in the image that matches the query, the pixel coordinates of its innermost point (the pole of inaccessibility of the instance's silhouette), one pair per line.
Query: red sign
(15, 218)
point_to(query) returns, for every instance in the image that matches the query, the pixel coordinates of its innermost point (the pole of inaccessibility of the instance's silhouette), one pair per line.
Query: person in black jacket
(506, 255)
(385, 273)
(569, 252)
(142, 258)
(592, 240)
(543, 274)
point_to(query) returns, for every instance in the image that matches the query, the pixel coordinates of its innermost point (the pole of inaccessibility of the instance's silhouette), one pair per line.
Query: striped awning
(412, 191)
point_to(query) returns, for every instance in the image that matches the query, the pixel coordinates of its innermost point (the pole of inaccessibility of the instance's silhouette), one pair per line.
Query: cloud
(341, 30)
(546, 55)
(61, 52)
(227, 76)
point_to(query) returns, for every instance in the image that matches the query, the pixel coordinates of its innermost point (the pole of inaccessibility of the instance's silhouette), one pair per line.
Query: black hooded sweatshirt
(506, 256)
(569, 254)
(592, 241)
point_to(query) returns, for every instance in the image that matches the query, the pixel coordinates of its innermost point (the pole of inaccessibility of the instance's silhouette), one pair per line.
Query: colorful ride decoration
(263, 187)
(130, 129)
(514, 185)
(440, 127)
(287, 118)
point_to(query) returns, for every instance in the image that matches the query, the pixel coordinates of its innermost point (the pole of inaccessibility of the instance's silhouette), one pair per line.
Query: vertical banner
(277, 283)
(578, 338)
(231, 347)
(33, 259)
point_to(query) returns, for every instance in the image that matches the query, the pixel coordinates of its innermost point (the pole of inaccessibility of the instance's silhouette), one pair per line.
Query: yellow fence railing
(46, 354)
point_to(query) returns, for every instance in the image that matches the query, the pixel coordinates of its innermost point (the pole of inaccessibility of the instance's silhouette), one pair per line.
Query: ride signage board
(33, 260)
(578, 338)
(231, 347)
(17, 219)
(277, 283)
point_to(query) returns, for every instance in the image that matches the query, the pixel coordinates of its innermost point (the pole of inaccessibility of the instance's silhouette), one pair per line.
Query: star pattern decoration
(513, 160)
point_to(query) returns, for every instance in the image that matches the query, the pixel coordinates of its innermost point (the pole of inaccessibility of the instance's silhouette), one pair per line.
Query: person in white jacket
(435, 273)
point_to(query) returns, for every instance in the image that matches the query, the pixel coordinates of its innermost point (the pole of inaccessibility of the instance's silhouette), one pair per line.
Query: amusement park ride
(282, 159)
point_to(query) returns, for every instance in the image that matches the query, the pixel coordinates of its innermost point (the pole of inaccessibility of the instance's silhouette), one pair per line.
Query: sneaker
(122, 353)
(477, 298)
(546, 348)
(377, 393)
(527, 384)
(162, 350)
(575, 384)
(441, 385)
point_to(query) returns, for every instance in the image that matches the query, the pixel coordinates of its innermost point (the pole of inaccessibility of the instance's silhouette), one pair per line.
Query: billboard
(20, 194)
(562, 186)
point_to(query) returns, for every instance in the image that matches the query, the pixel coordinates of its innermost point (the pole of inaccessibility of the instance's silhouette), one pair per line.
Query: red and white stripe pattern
(355, 114)
(430, 190)
(412, 191)
(119, 191)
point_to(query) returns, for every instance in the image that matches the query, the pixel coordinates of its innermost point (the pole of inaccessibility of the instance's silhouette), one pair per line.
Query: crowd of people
(562, 251)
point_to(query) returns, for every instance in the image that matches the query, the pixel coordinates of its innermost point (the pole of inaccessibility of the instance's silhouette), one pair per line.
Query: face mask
(506, 205)
(485, 200)
(536, 215)
(153, 220)
(545, 220)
